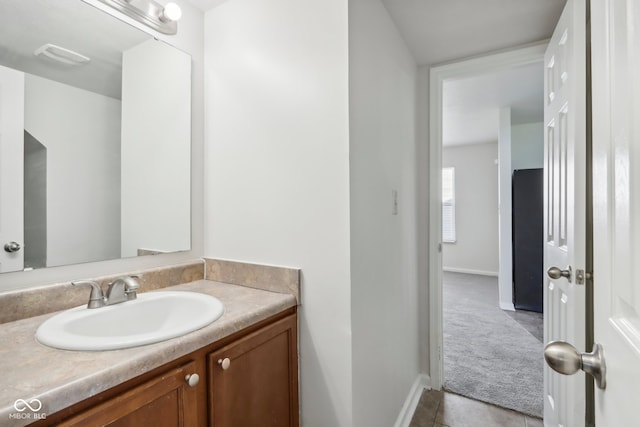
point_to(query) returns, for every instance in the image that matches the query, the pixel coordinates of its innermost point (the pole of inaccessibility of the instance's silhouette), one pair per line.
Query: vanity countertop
(61, 378)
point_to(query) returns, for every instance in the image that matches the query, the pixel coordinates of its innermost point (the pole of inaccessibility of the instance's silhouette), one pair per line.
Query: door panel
(616, 173)
(11, 167)
(565, 158)
(254, 381)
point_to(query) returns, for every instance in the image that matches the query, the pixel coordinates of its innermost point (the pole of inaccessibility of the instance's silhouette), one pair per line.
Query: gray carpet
(488, 354)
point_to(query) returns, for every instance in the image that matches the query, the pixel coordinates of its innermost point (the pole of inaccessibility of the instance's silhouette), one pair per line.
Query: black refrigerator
(527, 220)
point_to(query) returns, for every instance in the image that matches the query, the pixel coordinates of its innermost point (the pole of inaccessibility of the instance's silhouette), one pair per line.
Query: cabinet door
(165, 401)
(254, 381)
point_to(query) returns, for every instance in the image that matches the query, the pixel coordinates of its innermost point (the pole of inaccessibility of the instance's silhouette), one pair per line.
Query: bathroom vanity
(248, 379)
(240, 370)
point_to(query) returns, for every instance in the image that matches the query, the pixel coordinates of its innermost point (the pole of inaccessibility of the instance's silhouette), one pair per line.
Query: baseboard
(406, 413)
(507, 306)
(470, 271)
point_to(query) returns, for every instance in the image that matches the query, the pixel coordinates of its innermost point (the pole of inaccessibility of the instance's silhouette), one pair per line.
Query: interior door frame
(12, 119)
(504, 60)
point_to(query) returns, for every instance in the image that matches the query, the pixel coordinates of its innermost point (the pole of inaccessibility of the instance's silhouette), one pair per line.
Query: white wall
(476, 191)
(384, 312)
(81, 131)
(505, 277)
(156, 149)
(190, 40)
(527, 146)
(277, 170)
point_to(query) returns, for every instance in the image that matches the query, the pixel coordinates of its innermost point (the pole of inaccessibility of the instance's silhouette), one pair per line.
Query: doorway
(451, 288)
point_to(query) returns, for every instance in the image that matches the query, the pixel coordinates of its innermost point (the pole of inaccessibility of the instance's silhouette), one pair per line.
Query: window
(448, 205)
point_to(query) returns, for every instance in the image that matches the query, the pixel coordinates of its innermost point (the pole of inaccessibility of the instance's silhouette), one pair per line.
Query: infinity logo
(21, 405)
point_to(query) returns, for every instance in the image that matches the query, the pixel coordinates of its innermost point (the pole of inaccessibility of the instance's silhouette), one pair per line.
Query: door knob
(12, 247)
(562, 357)
(556, 273)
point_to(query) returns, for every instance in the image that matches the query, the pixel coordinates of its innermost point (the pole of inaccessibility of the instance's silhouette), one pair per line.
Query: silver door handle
(556, 273)
(12, 247)
(562, 357)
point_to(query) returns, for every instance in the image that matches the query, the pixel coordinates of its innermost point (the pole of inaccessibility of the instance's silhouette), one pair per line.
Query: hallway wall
(384, 287)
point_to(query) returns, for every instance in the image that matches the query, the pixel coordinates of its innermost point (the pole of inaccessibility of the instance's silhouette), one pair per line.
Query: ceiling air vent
(61, 54)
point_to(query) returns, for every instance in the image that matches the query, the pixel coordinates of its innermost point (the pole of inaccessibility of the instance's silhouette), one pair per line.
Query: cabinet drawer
(164, 401)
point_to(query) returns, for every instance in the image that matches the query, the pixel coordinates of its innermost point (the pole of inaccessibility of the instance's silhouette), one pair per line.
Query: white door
(616, 217)
(11, 169)
(565, 194)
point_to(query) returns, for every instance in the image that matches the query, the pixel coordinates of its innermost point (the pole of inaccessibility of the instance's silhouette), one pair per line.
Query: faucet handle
(96, 299)
(131, 286)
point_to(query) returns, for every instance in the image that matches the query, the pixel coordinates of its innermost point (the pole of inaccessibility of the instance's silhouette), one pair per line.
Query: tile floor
(442, 409)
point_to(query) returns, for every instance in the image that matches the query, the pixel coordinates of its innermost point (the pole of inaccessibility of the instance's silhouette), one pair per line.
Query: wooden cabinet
(165, 401)
(259, 388)
(254, 381)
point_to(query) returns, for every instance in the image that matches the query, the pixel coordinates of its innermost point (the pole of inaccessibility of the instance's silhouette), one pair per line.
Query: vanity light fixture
(171, 12)
(161, 18)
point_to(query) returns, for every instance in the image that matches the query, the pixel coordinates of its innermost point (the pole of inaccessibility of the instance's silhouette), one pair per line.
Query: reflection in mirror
(95, 127)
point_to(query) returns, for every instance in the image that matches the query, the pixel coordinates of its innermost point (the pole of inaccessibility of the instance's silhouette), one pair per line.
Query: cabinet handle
(225, 363)
(192, 379)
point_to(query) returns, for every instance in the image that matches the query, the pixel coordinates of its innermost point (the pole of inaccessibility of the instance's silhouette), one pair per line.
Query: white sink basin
(152, 317)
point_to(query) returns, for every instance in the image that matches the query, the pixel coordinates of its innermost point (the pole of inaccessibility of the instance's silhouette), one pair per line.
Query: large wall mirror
(95, 138)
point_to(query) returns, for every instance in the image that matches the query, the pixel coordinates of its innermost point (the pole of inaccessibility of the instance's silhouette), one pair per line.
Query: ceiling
(438, 31)
(205, 5)
(471, 105)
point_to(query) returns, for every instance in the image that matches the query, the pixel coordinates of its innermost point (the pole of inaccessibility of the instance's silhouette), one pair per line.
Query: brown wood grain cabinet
(167, 400)
(257, 385)
(254, 381)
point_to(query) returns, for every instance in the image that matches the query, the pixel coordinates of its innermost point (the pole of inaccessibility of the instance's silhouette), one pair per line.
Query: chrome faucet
(120, 290)
(96, 299)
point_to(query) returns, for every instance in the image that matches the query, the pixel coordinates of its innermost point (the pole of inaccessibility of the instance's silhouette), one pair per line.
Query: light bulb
(171, 12)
